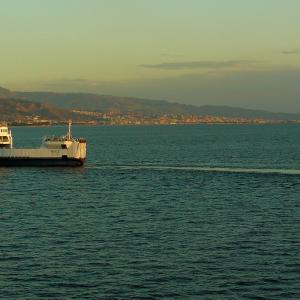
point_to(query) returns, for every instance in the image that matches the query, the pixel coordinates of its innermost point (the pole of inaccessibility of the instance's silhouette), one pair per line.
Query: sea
(157, 212)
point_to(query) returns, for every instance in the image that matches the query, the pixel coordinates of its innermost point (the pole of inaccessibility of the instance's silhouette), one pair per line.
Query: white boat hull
(74, 155)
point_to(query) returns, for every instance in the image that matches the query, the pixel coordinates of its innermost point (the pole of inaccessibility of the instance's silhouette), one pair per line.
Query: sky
(219, 52)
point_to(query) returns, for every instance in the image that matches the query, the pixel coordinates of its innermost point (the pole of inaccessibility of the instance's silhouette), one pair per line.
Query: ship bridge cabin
(5, 136)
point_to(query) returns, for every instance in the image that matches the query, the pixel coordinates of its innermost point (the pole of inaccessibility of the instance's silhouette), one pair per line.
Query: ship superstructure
(5, 137)
(55, 151)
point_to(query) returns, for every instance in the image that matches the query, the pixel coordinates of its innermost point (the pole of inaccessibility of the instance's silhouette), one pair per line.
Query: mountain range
(13, 108)
(59, 106)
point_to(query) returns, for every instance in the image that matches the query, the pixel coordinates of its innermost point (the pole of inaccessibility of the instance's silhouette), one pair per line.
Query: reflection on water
(4, 173)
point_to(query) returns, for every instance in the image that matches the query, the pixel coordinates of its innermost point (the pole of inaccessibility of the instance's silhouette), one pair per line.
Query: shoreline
(153, 124)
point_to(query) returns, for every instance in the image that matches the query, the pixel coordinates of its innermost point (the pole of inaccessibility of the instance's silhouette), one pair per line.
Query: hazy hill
(4, 93)
(105, 103)
(58, 106)
(13, 109)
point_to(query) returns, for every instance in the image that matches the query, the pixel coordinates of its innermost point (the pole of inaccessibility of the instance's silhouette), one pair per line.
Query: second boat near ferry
(54, 151)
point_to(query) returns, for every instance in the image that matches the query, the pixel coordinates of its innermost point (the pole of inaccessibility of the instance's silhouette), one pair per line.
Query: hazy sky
(231, 52)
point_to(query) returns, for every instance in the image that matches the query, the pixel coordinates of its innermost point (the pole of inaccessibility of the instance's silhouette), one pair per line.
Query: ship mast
(11, 140)
(69, 133)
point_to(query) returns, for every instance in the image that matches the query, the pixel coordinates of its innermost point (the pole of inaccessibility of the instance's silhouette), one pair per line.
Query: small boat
(54, 151)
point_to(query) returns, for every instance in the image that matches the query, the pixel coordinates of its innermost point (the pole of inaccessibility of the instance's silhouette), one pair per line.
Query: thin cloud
(171, 55)
(295, 51)
(199, 65)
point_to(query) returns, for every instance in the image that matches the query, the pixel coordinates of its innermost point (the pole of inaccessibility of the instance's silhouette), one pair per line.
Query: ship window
(3, 139)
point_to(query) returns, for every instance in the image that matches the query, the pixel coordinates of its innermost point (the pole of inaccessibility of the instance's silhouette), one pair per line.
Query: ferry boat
(54, 151)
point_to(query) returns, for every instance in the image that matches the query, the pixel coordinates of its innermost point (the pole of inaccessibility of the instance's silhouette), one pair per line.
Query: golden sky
(119, 46)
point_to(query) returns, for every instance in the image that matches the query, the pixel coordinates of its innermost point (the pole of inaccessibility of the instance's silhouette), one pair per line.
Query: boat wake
(199, 168)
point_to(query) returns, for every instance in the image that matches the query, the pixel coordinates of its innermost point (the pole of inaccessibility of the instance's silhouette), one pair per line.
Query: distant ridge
(106, 103)
(59, 106)
(4, 93)
(12, 108)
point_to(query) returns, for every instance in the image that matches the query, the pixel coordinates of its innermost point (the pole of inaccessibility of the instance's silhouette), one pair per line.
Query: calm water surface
(172, 212)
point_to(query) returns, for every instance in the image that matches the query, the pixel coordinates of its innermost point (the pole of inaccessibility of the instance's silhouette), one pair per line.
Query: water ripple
(204, 212)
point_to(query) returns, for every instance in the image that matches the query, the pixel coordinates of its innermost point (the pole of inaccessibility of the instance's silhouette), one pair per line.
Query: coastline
(13, 124)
